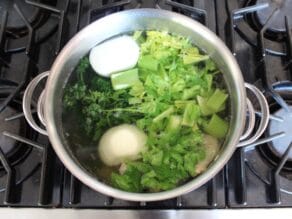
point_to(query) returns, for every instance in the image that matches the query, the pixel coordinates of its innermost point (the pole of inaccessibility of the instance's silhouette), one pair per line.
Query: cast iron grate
(29, 46)
(268, 50)
(234, 21)
(33, 180)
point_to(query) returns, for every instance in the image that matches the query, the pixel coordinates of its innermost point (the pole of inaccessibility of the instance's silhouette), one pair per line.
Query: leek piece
(124, 79)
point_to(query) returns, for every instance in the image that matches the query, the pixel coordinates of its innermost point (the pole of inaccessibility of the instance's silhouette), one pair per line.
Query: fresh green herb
(100, 106)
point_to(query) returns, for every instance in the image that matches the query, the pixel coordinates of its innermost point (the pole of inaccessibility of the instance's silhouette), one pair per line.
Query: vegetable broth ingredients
(117, 54)
(121, 143)
(175, 95)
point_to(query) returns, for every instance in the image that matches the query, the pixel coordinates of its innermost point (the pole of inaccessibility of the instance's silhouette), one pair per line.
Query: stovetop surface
(32, 33)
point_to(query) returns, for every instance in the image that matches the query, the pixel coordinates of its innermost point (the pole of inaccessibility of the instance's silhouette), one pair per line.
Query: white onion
(117, 54)
(120, 143)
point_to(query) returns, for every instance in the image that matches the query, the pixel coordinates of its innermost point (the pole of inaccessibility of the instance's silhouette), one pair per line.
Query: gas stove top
(259, 34)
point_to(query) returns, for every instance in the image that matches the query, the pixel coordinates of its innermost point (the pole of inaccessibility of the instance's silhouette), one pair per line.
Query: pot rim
(93, 182)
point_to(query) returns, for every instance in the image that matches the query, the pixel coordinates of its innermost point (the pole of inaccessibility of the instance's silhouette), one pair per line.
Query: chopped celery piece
(205, 109)
(222, 107)
(124, 79)
(178, 86)
(191, 92)
(195, 127)
(203, 106)
(191, 114)
(216, 127)
(156, 159)
(148, 62)
(181, 104)
(137, 34)
(174, 123)
(134, 100)
(192, 55)
(163, 74)
(139, 37)
(210, 65)
(209, 79)
(217, 99)
(164, 114)
(192, 59)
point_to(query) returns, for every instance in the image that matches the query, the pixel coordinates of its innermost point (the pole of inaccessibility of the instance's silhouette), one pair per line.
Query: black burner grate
(39, 179)
(35, 179)
(262, 54)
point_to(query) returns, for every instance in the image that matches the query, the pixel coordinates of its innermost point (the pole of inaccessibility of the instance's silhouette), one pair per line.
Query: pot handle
(264, 114)
(26, 104)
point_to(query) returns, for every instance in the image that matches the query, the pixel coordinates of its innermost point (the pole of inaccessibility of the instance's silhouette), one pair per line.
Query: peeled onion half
(114, 55)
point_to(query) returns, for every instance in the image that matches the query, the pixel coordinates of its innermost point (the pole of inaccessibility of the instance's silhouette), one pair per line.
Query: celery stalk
(191, 114)
(124, 79)
(203, 106)
(192, 59)
(216, 127)
(148, 62)
(209, 79)
(164, 114)
(191, 92)
(217, 99)
(174, 123)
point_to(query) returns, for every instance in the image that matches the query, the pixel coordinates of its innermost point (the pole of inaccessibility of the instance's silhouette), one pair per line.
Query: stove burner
(271, 162)
(13, 150)
(274, 150)
(7, 144)
(280, 8)
(279, 146)
(14, 21)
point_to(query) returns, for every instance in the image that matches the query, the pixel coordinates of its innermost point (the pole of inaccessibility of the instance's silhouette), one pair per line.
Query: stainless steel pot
(50, 103)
